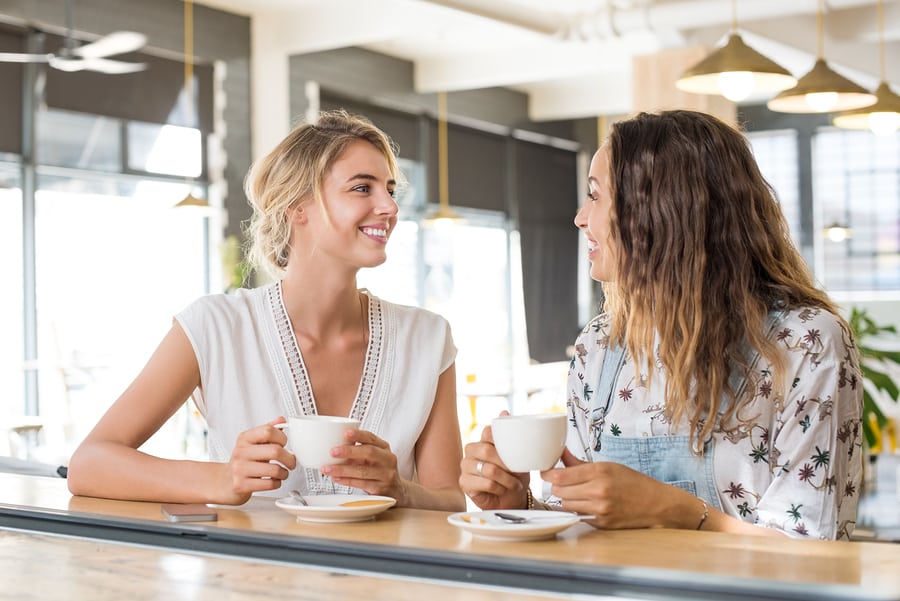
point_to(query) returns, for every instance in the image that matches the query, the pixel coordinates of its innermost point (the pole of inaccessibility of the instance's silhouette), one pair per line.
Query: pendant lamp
(822, 90)
(735, 70)
(837, 232)
(190, 200)
(883, 117)
(444, 215)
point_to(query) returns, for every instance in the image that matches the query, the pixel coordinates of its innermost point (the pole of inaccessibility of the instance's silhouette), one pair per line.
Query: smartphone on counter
(189, 512)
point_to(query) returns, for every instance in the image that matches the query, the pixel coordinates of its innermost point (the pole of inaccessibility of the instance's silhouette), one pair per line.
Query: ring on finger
(479, 467)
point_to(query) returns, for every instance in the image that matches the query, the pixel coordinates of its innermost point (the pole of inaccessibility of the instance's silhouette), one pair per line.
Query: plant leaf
(870, 409)
(883, 382)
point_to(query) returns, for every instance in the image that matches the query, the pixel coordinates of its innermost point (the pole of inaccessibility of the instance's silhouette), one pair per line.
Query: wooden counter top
(694, 563)
(41, 566)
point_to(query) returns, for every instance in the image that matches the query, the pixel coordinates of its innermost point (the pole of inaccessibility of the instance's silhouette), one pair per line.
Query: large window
(114, 260)
(114, 263)
(856, 183)
(11, 323)
(776, 155)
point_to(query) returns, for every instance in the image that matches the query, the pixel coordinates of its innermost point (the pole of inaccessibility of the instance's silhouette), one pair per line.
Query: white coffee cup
(529, 442)
(311, 438)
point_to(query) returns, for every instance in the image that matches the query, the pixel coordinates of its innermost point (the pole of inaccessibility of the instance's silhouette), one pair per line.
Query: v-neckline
(297, 366)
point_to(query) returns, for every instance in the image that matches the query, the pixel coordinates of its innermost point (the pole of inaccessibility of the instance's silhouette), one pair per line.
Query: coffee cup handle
(283, 426)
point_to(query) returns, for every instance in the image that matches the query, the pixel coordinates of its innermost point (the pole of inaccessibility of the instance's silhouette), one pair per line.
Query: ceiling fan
(90, 57)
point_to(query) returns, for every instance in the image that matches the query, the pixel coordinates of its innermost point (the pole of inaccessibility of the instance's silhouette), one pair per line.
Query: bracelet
(529, 498)
(705, 514)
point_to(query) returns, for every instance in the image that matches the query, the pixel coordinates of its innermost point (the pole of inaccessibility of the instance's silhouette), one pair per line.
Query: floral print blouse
(793, 460)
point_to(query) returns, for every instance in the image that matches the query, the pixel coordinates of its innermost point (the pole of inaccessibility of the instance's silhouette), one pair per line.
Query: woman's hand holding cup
(259, 462)
(496, 470)
(312, 438)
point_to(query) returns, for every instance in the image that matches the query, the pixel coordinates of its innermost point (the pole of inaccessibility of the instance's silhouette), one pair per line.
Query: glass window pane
(78, 140)
(12, 399)
(165, 149)
(467, 281)
(776, 155)
(115, 262)
(856, 182)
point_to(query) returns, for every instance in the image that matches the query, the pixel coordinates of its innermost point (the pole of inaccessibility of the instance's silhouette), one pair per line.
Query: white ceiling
(572, 57)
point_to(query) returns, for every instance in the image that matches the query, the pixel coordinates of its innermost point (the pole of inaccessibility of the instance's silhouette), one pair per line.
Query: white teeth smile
(378, 233)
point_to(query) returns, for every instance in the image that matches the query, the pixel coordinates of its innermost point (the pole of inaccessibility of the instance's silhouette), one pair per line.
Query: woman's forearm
(115, 471)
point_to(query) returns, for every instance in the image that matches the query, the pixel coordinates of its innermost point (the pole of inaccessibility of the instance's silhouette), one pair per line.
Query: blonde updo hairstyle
(293, 173)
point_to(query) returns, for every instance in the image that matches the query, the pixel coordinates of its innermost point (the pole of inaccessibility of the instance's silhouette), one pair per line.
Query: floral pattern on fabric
(791, 459)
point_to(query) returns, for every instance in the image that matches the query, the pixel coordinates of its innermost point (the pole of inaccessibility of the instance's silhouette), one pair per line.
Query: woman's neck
(322, 306)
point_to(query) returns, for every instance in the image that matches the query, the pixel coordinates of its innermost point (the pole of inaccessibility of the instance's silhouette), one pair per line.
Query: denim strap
(609, 373)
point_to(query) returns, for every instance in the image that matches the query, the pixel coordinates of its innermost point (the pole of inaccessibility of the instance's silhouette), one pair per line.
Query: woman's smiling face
(594, 218)
(358, 207)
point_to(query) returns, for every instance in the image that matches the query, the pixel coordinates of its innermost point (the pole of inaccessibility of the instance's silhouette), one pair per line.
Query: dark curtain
(403, 128)
(11, 75)
(546, 180)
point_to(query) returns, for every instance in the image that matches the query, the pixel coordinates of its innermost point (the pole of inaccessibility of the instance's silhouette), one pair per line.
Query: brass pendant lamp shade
(192, 201)
(822, 90)
(883, 117)
(735, 71)
(444, 215)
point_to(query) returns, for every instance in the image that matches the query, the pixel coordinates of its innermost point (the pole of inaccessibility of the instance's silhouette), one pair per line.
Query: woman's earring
(298, 215)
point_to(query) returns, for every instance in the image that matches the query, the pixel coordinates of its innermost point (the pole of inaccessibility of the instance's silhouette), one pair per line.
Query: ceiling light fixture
(190, 200)
(735, 70)
(883, 117)
(444, 215)
(838, 232)
(822, 90)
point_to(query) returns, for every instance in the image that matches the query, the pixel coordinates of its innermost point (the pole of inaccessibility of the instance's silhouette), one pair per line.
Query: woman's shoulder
(811, 325)
(598, 327)
(409, 314)
(817, 335)
(220, 305)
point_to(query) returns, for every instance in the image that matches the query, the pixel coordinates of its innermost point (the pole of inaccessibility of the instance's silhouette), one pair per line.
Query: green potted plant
(874, 363)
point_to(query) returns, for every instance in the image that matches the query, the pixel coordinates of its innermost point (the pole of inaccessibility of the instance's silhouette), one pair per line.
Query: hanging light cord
(820, 30)
(881, 59)
(189, 61)
(444, 184)
(734, 22)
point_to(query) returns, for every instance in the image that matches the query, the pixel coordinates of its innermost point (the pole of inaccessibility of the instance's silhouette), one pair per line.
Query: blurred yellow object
(890, 429)
(470, 379)
(876, 430)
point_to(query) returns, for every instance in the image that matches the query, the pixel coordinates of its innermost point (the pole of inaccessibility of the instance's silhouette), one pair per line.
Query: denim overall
(665, 458)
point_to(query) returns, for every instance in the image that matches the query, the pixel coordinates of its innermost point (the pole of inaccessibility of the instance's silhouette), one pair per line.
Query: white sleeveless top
(251, 371)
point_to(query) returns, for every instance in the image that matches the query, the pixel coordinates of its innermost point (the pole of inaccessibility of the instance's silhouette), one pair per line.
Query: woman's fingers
(369, 464)
(364, 437)
(569, 459)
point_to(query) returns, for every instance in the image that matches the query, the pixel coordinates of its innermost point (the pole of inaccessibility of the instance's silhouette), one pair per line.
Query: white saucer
(334, 508)
(486, 525)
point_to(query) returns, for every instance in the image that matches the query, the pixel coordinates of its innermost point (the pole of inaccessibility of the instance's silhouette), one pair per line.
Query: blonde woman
(719, 389)
(309, 343)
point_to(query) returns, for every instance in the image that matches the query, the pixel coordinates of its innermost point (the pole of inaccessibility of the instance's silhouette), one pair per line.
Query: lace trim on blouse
(315, 481)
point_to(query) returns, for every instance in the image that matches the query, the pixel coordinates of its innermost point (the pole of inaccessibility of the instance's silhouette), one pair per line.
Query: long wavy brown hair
(704, 254)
